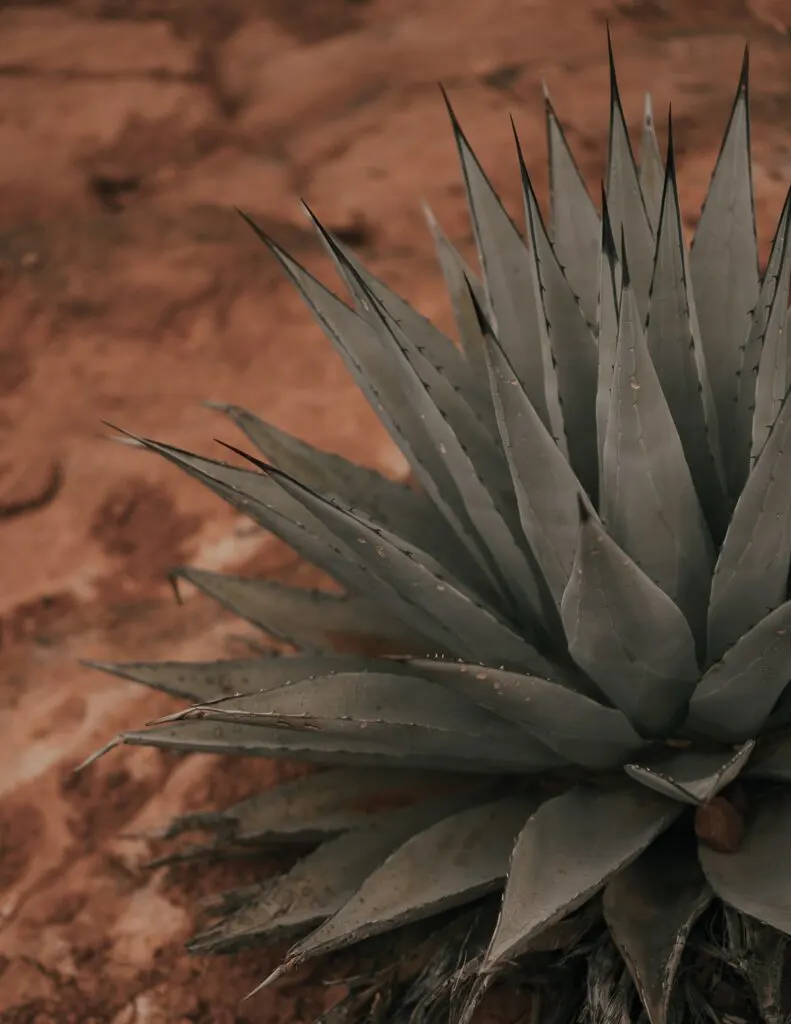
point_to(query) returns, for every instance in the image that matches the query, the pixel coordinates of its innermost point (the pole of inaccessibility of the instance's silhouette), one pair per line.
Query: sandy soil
(130, 292)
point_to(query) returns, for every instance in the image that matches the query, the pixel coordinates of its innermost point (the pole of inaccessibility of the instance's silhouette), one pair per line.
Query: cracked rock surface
(131, 293)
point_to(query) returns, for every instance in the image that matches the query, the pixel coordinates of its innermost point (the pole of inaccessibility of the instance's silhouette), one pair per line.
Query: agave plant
(571, 638)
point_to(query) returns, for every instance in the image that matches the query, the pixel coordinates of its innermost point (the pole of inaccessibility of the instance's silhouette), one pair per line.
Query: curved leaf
(546, 487)
(566, 852)
(772, 381)
(610, 285)
(451, 863)
(424, 353)
(396, 506)
(651, 173)
(724, 262)
(321, 883)
(574, 219)
(571, 343)
(751, 573)
(260, 496)
(369, 694)
(450, 612)
(375, 703)
(317, 806)
(342, 543)
(673, 339)
(627, 634)
(311, 619)
(625, 198)
(344, 742)
(506, 265)
(754, 878)
(575, 726)
(380, 373)
(736, 696)
(200, 681)
(691, 776)
(650, 908)
(649, 501)
(742, 422)
(459, 279)
(434, 353)
(772, 761)
(477, 464)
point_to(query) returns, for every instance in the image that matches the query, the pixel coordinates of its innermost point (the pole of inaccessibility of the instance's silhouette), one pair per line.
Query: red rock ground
(130, 292)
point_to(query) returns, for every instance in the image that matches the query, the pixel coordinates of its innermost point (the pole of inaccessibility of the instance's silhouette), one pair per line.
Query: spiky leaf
(741, 424)
(577, 727)
(207, 680)
(321, 883)
(452, 862)
(311, 619)
(574, 220)
(610, 287)
(545, 484)
(649, 501)
(724, 262)
(737, 694)
(751, 573)
(651, 173)
(692, 776)
(625, 198)
(508, 274)
(673, 339)
(395, 505)
(317, 806)
(458, 279)
(567, 851)
(772, 382)
(570, 341)
(650, 907)
(753, 879)
(626, 633)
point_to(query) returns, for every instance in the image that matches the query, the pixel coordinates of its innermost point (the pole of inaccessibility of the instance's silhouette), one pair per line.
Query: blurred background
(131, 292)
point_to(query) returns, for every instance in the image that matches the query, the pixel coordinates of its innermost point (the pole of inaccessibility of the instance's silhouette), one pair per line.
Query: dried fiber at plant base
(577, 708)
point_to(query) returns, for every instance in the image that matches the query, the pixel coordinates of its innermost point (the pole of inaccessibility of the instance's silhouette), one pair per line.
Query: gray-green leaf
(310, 619)
(627, 634)
(451, 863)
(208, 680)
(649, 501)
(772, 382)
(724, 261)
(321, 883)
(751, 573)
(610, 284)
(507, 270)
(577, 727)
(571, 343)
(754, 878)
(742, 422)
(574, 219)
(447, 610)
(546, 487)
(650, 908)
(333, 742)
(567, 851)
(459, 279)
(625, 198)
(692, 776)
(736, 696)
(673, 338)
(317, 806)
(651, 173)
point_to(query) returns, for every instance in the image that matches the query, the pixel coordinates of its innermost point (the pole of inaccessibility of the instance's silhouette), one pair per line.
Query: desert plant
(576, 625)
